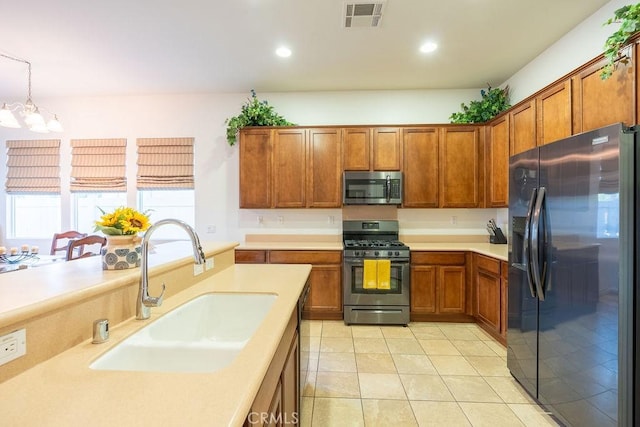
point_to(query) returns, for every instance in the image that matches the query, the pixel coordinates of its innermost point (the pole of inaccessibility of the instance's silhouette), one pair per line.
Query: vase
(121, 252)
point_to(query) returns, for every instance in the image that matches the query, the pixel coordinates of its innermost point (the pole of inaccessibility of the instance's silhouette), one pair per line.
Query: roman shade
(33, 166)
(98, 165)
(165, 163)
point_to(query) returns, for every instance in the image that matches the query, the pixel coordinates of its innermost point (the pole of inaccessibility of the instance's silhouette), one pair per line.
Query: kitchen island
(62, 390)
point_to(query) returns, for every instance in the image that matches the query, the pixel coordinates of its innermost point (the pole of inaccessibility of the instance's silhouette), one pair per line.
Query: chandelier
(29, 111)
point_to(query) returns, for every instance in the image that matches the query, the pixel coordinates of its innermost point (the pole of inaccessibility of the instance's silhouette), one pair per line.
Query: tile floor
(427, 374)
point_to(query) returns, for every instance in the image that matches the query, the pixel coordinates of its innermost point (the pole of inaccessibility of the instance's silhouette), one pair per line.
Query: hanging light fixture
(29, 111)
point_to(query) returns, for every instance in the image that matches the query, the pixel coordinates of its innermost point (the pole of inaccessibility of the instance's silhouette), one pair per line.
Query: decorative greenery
(629, 18)
(253, 113)
(493, 102)
(123, 221)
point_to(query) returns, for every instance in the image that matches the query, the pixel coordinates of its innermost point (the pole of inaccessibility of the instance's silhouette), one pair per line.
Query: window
(86, 208)
(163, 204)
(33, 188)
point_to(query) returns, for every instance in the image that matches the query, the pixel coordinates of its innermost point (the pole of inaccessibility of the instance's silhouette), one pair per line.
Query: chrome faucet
(144, 302)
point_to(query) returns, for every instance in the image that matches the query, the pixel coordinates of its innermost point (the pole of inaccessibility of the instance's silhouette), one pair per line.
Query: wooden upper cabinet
(420, 147)
(289, 161)
(523, 128)
(497, 163)
(553, 108)
(255, 168)
(603, 102)
(387, 151)
(459, 165)
(356, 146)
(324, 178)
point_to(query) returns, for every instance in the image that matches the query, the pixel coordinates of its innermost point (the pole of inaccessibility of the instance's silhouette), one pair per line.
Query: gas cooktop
(360, 244)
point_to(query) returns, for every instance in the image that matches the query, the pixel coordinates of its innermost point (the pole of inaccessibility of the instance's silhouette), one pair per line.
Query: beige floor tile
(426, 387)
(309, 388)
(439, 414)
(337, 384)
(404, 346)
(490, 415)
(429, 333)
(482, 334)
(397, 332)
(458, 332)
(439, 347)
(306, 412)
(471, 389)
(489, 366)
(473, 348)
(375, 363)
(532, 415)
(509, 390)
(366, 331)
(336, 345)
(498, 348)
(314, 344)
(385, 413)
(335, 329)
(381, 386)
(337, 412)
(452, 365)
(414, 364)
(370, 345)
(311, 328)
(337, 362)
(313, 361)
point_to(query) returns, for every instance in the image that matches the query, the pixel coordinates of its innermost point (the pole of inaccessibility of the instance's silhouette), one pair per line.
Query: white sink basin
(203, 335)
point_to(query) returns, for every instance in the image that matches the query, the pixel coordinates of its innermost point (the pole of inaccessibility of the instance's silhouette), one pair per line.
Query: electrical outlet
(454, 220)
(198, 269)
(280, 219)
(209, 264)
(260, 220)
(13, 345)
(211, 229)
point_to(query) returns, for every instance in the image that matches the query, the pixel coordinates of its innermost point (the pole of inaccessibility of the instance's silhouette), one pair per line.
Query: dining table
(22, 261)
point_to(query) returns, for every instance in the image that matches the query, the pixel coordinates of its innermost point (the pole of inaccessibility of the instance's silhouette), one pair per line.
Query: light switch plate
(13, 345)
(209, 264)
(198, 269)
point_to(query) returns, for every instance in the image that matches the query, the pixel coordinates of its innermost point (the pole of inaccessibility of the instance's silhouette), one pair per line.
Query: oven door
(356, 294)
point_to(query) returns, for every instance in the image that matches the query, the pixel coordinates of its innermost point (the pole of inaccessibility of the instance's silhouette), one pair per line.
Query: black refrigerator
(572, 276)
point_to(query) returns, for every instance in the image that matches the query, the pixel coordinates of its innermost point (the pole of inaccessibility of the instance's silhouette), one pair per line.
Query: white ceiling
(169, 46)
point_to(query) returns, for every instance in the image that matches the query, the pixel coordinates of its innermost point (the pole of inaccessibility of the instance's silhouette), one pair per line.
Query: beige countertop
(64, 391)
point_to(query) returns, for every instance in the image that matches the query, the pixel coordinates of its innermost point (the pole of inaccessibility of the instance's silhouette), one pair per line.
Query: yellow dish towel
(384, 274)
(369, 277)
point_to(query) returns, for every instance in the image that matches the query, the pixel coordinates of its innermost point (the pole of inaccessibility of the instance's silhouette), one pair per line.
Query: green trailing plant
(629, 19)
(254, 113)
(494, 101)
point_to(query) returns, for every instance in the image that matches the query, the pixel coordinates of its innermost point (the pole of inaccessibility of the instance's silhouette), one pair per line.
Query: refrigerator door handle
(527, 242)
(545, 277)
(535, 244)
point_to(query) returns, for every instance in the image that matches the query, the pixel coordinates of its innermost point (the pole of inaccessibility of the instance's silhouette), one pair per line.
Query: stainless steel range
(376, 275)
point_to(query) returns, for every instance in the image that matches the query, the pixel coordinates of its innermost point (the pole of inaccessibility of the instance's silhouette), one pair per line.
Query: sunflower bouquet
(122, 222)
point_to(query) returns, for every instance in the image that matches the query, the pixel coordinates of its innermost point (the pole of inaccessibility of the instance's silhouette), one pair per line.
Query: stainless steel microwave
(372, 188)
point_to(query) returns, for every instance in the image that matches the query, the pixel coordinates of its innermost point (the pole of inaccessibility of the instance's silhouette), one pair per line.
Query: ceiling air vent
(363, 14)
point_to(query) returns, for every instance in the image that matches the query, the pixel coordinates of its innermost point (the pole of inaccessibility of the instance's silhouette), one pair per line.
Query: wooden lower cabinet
(438, 286)
(490, 297)
(325, 294)
(276, 403)
(504, 298)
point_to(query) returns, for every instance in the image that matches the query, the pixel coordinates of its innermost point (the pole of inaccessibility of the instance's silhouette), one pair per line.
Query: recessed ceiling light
(283, 52)
(428, 47)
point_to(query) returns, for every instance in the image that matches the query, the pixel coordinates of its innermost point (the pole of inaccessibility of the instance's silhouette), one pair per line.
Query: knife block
(498, 238)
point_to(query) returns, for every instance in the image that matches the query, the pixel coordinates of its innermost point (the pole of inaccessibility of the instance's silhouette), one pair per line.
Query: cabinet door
(423, 289)
(247, 256)
(356, 149)
(289, 153)
(553, 108)
(255, 168)
(451, 289)
(523, 128)
(497, 163)
(504, 297)
(604, 102)
(459, 167)
(325, 293)
(420, 146)
(324, 180)
(488, 297)
(387, 150)
(290, 384)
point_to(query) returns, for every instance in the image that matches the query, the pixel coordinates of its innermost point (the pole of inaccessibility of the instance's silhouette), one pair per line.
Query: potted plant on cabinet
(629, 19)
(253, 113)
(494, 101)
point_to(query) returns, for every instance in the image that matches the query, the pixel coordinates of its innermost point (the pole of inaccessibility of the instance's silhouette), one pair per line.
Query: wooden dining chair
(86, 247)
(61, 241)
